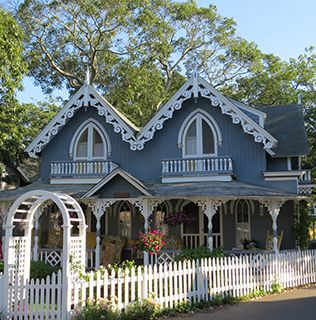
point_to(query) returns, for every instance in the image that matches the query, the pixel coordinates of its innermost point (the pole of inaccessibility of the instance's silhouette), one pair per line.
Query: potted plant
(172, 219)
(151, 241)
(249, 244)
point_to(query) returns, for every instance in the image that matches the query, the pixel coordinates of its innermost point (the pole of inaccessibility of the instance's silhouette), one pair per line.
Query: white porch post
(98, 214)
(144, 208)
(36, 237)
(209, 207)
(274, 207)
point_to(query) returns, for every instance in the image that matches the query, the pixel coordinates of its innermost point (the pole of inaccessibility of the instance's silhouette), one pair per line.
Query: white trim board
(128, 177)
(87, 96)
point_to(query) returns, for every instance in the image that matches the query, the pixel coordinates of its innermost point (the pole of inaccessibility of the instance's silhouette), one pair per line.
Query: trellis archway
(17, 252)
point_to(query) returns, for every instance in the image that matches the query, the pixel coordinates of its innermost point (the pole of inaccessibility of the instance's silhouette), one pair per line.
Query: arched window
(125, 220)
(90, 142)
(199, 135)
(242, 210)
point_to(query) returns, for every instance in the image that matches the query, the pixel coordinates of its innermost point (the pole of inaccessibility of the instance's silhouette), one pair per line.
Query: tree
(12, 65)
(130, 47)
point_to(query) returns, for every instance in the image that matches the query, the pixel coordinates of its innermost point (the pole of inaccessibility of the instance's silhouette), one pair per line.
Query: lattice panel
(54, 258)
(17, 267)
(76, 250)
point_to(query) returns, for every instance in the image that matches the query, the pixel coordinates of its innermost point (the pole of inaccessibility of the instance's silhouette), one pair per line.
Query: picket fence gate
(168, 284)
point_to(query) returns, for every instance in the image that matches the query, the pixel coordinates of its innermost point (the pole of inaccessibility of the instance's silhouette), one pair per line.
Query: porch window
(90, 143)
(125, 220)
(242, 221)
(199, 137)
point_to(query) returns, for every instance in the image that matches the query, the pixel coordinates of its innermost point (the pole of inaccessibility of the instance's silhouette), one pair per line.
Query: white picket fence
(169, 284)
(194, 281)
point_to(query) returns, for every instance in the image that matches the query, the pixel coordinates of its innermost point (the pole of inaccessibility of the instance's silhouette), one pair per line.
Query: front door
(194, 234)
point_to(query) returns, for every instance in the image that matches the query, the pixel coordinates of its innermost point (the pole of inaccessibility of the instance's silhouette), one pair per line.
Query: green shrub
(1, 266)
(95, 310)
(146, 309)
(40, 270)
(199, 253)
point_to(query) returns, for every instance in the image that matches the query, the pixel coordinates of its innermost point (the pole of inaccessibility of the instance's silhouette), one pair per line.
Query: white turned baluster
(225, 164)
(216, 164)
(203, 165)
(220, 164)
(213, 165)
(230, 164)
(179, 166)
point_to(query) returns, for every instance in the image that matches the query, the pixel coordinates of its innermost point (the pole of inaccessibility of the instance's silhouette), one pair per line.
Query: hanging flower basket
(151, 241)
(172, 219)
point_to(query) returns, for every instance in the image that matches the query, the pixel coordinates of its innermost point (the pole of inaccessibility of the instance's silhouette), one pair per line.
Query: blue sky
(281, 27)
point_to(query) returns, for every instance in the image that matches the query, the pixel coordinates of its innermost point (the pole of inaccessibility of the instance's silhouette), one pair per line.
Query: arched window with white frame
(199, 135)
(90, 142)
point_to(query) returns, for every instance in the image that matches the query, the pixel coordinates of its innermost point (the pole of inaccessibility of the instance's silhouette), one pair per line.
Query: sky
(282, 27)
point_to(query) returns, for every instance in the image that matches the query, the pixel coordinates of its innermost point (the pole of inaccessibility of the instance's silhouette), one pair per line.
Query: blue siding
(249, 158)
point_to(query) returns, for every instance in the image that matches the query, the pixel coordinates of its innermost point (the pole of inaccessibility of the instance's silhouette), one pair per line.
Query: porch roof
(216, 189)
(75, 190)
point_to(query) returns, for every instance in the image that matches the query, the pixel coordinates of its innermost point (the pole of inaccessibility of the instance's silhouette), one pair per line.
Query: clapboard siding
(248, 156)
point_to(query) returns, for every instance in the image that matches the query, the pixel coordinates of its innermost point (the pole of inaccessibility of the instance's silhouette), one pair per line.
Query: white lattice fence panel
(17, 265)
(77, 252)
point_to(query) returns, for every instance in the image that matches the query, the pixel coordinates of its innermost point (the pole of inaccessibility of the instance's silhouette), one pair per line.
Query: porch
(114, 224)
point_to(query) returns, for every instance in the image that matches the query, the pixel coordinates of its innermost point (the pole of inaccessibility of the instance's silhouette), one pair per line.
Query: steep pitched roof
(195, 86)
(125, 175)
(86, 96)
(286, 123)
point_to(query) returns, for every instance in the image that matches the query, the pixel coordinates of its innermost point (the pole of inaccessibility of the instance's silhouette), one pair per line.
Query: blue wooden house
(233, 170)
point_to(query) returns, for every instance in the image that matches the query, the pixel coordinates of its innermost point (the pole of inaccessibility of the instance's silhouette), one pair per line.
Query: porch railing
(53, 257)
(192, 240)
(197, 166)
(306, 177)
(81, 168)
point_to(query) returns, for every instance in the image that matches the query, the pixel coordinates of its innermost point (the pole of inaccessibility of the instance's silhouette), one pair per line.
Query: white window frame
(90, 124)
(199, 115)
(248, 206)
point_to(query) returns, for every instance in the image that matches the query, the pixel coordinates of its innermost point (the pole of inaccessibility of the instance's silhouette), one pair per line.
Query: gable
(86, 97)
(118, 184)
(196, 86)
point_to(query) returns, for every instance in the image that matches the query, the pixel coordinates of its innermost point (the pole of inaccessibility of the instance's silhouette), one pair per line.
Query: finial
(87, 76)
(195, 80)
(299, 98)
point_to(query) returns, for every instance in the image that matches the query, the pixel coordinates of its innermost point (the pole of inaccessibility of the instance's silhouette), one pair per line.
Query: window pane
(82, 147)
(208, 138)
(191, 139)
(98, 147)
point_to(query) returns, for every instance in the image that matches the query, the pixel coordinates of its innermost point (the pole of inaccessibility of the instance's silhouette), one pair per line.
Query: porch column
(36, 237)
(98, 209)
(274, 207)
(144, 208)
(210, 207)
(98, 214)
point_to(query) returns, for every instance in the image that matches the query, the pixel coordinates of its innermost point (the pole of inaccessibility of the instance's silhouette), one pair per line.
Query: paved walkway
(297, 304)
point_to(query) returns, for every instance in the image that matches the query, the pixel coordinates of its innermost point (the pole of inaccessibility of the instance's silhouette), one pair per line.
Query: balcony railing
(197, 166)
(81, 168)
(306, 177)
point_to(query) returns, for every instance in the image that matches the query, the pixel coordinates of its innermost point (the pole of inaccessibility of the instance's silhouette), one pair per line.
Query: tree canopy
(139, 51)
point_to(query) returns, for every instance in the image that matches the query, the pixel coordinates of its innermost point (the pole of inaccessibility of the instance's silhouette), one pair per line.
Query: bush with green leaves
(95, 310)
(40, 270)
(199, 253)
(146, 309)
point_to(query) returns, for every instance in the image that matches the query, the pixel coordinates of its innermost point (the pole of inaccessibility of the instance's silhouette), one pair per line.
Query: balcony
(197, 169)
(305, 183)
(80, 171)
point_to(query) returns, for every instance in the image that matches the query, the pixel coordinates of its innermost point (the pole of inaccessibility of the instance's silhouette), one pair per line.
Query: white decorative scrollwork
(197, 86)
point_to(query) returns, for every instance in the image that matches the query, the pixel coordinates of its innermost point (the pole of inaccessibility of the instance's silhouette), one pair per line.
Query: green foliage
(12, 65)
(95, 309)
(141, 310)
(1, 267)
(199, 253)
(276, 287)
(40, 270)
(302, 224)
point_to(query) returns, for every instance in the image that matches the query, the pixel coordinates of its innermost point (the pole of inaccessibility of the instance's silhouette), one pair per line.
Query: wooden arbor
(18, 240)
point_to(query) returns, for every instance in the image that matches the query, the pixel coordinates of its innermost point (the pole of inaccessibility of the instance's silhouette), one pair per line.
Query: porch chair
(269, 240)
(111, 249)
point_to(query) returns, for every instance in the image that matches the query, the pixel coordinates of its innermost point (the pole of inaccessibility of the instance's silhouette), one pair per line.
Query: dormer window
(90, 142)
(199, 135)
